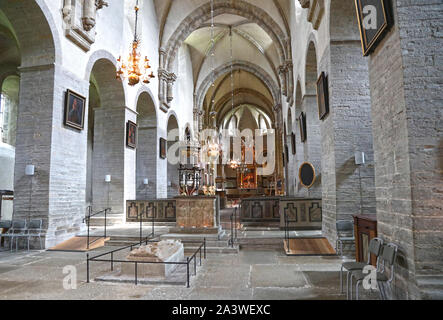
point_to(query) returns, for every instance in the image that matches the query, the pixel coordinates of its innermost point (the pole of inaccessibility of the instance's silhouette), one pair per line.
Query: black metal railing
(234, 227)
(287, 233)
(140, 219)
(201, 251)
(87, 219)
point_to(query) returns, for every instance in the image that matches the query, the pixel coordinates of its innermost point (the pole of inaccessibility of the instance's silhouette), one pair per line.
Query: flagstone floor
(251, 274)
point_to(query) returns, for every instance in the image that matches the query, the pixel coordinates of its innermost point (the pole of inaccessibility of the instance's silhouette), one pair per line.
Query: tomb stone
(163, 251)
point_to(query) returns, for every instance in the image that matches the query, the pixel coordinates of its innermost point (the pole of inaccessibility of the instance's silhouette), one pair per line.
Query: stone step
(195, 237)
(260, 242)
(99, 221)
(190, 248)
(216, 250)
(125, 242)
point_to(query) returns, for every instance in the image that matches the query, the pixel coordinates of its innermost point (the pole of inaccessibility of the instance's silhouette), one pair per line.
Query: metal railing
(287, 233)
(140, 219)
(87, 219)
(100, 258)
(234, 227)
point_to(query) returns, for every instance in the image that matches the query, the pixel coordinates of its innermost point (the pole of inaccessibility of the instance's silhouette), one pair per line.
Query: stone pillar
(170, 84)
(162, 78)
(283, 83)
(347, 188)
(56, 193)
(147, 154)
(290, 81)
(112, 157)
(312, 147)
(408, 146)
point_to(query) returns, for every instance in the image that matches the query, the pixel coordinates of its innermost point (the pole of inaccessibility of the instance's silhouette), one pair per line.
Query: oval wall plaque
(307, 175)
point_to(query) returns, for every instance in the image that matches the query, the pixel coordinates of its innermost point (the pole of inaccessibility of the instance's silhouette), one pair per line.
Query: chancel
(221, 149)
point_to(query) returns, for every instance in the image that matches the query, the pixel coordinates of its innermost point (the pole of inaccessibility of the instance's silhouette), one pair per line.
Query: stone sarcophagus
(163, 251)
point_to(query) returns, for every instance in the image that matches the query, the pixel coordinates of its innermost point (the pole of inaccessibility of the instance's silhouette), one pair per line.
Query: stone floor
(252, 274)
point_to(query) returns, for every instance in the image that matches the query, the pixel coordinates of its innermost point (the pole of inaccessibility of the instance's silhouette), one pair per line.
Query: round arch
(257, 71)
(223, 109)
(39, 46)
(240, 8)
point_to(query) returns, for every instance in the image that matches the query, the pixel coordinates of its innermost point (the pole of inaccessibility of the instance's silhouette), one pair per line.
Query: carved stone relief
(79, 18)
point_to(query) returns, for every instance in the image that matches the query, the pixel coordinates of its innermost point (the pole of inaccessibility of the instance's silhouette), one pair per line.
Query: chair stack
(22, 229)
(345, 233)
(383, 273)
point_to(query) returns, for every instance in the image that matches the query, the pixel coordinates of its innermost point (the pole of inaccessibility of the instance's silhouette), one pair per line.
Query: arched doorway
(147, 150)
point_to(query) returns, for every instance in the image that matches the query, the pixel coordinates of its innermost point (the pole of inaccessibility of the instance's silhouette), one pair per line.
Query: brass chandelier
(132, 68)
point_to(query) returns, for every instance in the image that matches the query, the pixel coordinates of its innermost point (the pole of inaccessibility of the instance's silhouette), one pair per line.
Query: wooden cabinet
(365, 228)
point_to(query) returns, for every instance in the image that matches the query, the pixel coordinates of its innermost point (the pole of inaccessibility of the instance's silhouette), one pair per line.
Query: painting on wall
(286, 154)
(373, 20)
(302, 123)
(74, 110)
(322, 96)
(162, 148)
(131, 135)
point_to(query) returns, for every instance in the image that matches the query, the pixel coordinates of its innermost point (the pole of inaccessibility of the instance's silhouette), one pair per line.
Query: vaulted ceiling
(253, 46)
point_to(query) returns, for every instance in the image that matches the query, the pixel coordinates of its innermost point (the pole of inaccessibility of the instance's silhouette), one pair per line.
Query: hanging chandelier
(233, 163)
(213, 146)
(133, 68)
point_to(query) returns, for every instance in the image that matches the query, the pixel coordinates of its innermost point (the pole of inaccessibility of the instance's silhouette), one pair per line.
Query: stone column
(170, 84)
(408, 139)
(290, 81)
(112, 157)
(162, 78)
(283, 83)
(347, 188)
(56, 193)
(147, 154)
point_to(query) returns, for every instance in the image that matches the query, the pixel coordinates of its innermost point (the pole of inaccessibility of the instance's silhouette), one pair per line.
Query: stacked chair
(385, 272)
(386, 255)
(22, 229)
(345, 233)
(375, 247)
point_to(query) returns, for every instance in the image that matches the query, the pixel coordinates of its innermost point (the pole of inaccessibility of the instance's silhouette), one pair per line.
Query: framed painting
(131, 135)
(374, 20)
(75, 105)
(302, 123)
(306, 175)
(322, 96)
(294, 143)
(286, 154)
(162, 148)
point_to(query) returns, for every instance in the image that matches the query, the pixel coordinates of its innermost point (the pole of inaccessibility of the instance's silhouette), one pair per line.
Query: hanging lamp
(133, 68)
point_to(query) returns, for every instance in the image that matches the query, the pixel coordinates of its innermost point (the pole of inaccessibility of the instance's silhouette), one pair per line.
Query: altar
(198, 215)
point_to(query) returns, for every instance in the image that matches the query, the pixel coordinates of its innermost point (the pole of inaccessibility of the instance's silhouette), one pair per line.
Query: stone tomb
(163, 251)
